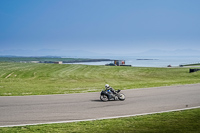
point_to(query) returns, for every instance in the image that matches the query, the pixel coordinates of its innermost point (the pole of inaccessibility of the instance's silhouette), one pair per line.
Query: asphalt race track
(17, 110)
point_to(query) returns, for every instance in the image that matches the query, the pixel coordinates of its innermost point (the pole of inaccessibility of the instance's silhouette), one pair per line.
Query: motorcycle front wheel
(104, 98)
(121, 97)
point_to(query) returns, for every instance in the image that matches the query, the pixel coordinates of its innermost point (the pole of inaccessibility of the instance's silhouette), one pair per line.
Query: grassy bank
(48, 59)
(187, 121)
(42, 79)
(197, 64)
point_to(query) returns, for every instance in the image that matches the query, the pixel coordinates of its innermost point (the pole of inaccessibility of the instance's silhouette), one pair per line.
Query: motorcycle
(107, 95)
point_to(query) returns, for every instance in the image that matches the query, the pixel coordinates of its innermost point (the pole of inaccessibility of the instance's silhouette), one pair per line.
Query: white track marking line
(104, 118)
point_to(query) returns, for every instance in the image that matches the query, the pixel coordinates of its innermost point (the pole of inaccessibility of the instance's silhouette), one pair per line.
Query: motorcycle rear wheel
(104, 98)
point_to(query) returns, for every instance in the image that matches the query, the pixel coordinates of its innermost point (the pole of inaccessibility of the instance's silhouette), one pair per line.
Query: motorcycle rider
(110, 89)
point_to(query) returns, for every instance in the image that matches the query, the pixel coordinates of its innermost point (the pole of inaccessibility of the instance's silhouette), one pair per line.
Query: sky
(98, 26)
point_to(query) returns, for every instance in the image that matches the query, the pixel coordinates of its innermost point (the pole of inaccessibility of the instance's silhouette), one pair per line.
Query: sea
(148, 61)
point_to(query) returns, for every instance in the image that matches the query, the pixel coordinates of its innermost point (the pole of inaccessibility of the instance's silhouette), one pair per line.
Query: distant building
(35, 61)
(58, 62)
(119, 62)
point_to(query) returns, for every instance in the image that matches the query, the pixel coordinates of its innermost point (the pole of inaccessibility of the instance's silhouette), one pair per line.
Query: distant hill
(83, 54)
(46, 52)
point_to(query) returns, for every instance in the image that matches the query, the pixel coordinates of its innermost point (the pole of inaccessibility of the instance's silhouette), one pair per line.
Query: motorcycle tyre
(104, 98)
(121, 97)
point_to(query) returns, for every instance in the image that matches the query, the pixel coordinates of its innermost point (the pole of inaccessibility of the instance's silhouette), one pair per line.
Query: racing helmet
(107, 86)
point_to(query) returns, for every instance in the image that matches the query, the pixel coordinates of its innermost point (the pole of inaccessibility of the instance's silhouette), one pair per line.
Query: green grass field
(187, 121)
(44, 79)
